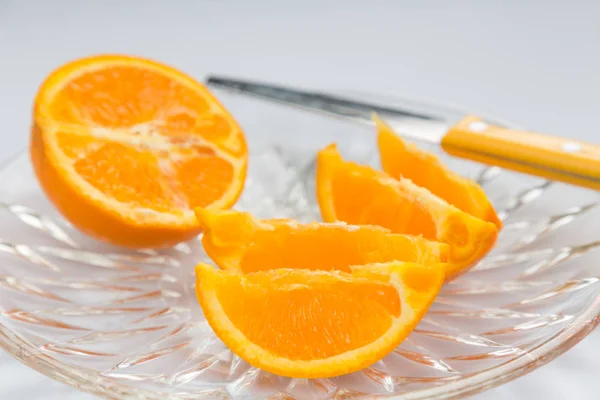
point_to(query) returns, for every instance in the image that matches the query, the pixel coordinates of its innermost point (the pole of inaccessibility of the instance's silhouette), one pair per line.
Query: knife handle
(533, 153)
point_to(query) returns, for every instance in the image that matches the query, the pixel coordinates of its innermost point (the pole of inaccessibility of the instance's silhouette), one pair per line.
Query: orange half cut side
(126, 147)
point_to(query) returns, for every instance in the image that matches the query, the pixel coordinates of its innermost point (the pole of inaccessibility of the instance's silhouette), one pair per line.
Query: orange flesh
(310, 320)
(325, 249)
(316, 324)
(371, 203)
(125, 174)
(124, 96)
(158, 159)
(237, 240)
(358, 194)
(144, 138)
(400, 159)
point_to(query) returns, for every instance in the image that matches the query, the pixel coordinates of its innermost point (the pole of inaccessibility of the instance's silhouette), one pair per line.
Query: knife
(472, 137)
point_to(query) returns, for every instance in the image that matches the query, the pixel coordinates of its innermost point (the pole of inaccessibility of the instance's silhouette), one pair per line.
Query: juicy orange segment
(239, 241)
(126, 147)
(358, 194)
(310, 324)
(400, 159)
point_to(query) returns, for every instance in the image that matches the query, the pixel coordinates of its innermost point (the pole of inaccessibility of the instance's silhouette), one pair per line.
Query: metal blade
(405, 122)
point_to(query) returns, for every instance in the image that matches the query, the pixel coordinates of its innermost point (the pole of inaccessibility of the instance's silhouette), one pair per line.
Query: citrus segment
(400, 159)
(126, 147)
(309, 324)
(238, 240)
(358, 194)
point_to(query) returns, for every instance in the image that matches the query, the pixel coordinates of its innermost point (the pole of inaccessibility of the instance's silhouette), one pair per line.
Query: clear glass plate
(126, 325)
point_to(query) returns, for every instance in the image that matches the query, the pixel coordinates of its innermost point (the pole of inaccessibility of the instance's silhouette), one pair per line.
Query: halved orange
(239, 241)
(359, 194)
(316, 324)
(126, 147)
(400, 159)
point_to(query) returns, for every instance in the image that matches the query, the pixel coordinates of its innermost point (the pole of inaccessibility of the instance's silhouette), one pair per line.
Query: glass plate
(126, 325)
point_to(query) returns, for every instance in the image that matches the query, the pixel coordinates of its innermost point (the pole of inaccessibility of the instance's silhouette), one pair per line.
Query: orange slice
(125, 148)
(400, 159)
(238, 240)
(315, 324)
(358, 194)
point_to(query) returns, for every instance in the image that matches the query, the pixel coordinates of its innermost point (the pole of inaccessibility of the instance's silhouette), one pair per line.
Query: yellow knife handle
(551, 157)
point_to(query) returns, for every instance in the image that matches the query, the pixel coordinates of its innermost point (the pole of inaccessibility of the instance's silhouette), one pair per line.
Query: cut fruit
(400, 159)
(237, 240)
(358, 194)
(316, 324)
(125, 148)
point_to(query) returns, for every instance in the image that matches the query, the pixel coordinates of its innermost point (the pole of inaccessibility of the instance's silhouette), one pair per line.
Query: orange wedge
(126, 147)
(239, 241)
(358, 194)
(316, 324)
(400, 159)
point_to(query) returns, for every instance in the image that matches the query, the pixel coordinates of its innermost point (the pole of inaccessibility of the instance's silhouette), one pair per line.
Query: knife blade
(472, 137)
(417, 126)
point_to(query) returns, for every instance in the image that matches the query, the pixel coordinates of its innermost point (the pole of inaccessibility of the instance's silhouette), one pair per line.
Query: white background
(534, 62)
